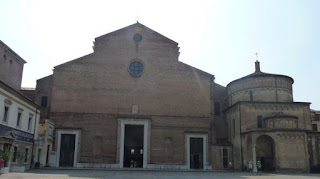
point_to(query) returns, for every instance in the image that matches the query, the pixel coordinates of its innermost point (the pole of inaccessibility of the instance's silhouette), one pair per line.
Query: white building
(19, 115)
(18, 127)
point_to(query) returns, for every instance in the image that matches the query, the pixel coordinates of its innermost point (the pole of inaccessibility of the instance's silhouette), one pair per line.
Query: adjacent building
(19, 114)
(46, 138)
(314, 139)
(11, 67)
(315, 118)
(266, 125)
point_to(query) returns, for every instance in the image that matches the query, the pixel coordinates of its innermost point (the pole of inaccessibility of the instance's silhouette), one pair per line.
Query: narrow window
(217, 108)
(260, 122)
(225, 158)
(39, 154)
(15, 154)
(317, 117)
(229, 128)
(26, 158)
(234, 127)
(5, 114)
(18, 119)
(50, 132)
(29, 123)
(251, 96)
(44, 101)
(314, 127)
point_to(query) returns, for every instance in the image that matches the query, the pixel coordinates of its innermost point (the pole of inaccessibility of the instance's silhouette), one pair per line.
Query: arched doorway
(265, 152)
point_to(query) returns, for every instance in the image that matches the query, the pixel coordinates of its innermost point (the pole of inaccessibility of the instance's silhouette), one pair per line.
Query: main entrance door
(67, 150)
(265, 152)
(133, 146)
(196, 153)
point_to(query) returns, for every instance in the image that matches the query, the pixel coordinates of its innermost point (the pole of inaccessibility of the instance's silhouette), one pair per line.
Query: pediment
(7, 134)
(136, 28)
(116, 44)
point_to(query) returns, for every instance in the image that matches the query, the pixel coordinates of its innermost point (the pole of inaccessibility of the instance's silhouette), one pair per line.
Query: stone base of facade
(17, 168)
(148, 166)
(96, 165)
(5, 170)
(167, 167)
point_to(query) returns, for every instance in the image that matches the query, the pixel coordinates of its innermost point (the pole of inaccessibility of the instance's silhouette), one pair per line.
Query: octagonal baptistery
(260, 86)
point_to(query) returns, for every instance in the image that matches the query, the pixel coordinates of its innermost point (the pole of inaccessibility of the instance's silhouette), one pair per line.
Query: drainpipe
(34, 133)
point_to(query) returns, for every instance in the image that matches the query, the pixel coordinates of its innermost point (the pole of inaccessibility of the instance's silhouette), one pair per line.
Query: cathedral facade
(132, 103)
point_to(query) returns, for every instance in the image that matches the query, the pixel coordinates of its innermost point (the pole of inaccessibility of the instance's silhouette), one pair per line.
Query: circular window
(136, 68)
(137, 38)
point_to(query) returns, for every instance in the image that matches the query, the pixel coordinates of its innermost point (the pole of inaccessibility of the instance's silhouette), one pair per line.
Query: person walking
(259, 167)
(230, 166)
(1, 164)
(250, 166)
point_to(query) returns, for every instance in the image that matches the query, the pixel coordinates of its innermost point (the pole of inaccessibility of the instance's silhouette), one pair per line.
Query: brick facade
(94, 96)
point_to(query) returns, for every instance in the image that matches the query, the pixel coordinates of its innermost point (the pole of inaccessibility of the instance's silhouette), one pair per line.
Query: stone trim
(167, 167)
(205, 148)
(255, 103)
(263, 130)
(77, 144)
(146, 138)
(7, 102)
(96, 165)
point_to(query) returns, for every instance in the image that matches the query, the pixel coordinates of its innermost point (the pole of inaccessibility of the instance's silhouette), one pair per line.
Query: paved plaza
(87, 174)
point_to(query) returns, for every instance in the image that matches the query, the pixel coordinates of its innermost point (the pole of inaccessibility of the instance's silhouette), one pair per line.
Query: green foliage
(6, 154)
(21, 156)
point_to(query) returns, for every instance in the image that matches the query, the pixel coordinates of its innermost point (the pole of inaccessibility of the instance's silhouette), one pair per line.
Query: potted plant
(20, 167)
(6, 154)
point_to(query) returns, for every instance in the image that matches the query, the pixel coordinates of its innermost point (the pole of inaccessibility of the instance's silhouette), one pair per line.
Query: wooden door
(67, 149)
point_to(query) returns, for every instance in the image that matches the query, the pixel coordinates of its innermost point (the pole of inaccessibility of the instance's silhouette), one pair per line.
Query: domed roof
(259, 73)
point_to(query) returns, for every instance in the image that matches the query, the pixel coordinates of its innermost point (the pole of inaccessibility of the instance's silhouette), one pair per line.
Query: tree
(6, 154)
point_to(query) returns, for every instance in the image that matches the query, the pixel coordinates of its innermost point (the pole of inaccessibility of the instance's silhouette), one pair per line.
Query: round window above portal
(137, 38)
(136, 68)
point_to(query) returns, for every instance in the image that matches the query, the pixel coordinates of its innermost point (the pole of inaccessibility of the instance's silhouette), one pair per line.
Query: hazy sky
(219, 37)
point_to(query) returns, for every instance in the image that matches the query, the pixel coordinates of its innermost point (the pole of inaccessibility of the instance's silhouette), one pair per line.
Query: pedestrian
(230, 166)
(1, 164)
(259, 167)
(250, 166)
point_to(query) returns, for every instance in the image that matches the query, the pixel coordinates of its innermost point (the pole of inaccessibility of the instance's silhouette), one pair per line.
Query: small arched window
(234, 127)
(251, 96)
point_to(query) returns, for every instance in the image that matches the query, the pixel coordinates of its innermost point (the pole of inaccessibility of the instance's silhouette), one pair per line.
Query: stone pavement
(126, 174)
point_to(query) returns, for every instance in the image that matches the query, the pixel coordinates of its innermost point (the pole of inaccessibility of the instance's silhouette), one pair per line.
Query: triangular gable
(7, 134)
(135, 25)
(118, 32)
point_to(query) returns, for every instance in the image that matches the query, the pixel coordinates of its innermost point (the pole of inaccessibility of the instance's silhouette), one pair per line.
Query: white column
(254, 158)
